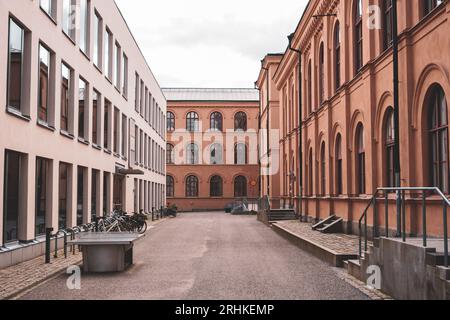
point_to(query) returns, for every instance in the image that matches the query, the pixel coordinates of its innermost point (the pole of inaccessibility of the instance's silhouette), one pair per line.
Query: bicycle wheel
(142, 227)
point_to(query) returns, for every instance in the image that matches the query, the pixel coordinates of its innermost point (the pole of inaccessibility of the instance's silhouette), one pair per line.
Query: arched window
(389, 146)
(170, 156)
(240, 121)
(216, 187)
(321, 74)
(170, 186)
(430, 5)
(170, 122)
(192, 154)
(240, 154)
(192, 186)
(337, 56)
(309, 88)
(216, 155)
(240, 187)
(310, 174)
(438, 138)
(388, 24)
(358, 36)
(323, 178)
(360, 160)
(216, 121)
(192, 122)
(338, 164)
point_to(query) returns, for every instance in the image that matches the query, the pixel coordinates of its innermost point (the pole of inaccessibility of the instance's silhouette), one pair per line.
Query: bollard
(48, 235)
(65, 245)
(56, 246)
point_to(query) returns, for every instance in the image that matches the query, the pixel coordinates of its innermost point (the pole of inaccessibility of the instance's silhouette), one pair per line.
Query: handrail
(401, 196)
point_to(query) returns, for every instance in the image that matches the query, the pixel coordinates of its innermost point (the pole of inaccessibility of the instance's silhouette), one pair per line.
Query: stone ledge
(331, 257)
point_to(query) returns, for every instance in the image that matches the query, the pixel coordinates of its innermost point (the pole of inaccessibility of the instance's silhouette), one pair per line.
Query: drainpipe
(259, 148)
(300, 126)
(397, 165)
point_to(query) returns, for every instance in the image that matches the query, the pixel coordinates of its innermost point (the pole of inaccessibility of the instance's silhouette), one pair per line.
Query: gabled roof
(211, 94)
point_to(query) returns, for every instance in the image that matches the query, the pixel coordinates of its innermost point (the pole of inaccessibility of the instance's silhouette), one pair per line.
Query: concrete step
(435, 259)
(354, 268)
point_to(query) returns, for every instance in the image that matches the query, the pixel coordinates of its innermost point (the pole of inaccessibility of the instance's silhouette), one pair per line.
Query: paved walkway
(211, 256)
(339, 243)
(19, 278)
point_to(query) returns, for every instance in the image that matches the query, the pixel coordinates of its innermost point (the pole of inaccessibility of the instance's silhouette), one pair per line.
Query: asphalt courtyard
(210, 256)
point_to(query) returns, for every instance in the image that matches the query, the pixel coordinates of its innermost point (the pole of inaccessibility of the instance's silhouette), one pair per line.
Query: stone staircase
(332, 224)
(282, 215)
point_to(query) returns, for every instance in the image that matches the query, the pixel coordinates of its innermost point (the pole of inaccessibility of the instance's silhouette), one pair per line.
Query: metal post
(375, 218)
(386, 212)
(395, 58)
(404, 216)
(48, 235)
(424, 219)
(445, 237)
(153, 213)
(65, 245)
(365, 232)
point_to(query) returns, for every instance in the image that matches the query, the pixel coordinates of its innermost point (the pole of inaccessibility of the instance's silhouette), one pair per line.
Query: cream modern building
(83, 127)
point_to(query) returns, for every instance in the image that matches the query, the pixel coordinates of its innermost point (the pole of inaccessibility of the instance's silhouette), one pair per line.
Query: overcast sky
(210, 43)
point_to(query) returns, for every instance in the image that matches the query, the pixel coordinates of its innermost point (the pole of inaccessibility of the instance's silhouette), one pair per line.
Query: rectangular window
(117, 68)
(95, 117)
(136, 94)
(146, 104)
(116, 131)
(82, 108)
(42, 167)
(124, 136)
(136, 145)
(145, 151)
(63, 194)
(80, 195)
(15, 65)
(132, 134)
(106, 207)
(94, 193)
(141, 147)
(98, 26)
(108, 47)
(142, 99)
(49, 7)
(69, 18)
(44, 83)
(124, 75)
(65, 97)
(106, 125)
(84, 25)
(11, 196)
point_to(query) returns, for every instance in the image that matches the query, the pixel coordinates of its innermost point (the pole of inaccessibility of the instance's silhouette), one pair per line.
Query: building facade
(83, 127)
(346, 79)
(269, 143)
(212, 147)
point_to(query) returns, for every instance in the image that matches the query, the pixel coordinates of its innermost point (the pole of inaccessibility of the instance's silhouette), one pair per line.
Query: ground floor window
(63, 193)
(216, 187)
(240, 187)
(11, 196)
(192, 186)
(118, 192)
(170, 186)
(94, 186)
(42, 167)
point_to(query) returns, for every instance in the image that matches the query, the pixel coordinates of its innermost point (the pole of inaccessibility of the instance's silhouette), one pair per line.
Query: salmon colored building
(212, 147)
(343, 84)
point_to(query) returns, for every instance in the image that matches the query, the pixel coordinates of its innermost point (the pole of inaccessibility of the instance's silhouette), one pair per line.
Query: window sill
(109, 80)
(45, 125)
(83, 141)
(52, 19)
(125, 96)
(69, 38)
(107, 151)
(95, 146)
(98, 68)
(16, 113)
(117, 155)
(67, 135)
(86, 55)
(124, 158)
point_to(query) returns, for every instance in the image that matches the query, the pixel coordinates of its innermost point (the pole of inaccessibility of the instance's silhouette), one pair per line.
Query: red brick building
(347, 99)
(212, 147)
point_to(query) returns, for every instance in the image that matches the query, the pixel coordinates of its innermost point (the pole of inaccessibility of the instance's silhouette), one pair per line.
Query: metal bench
(106, 252)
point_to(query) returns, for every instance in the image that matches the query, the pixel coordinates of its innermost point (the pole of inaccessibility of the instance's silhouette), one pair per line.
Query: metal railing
(401, 214)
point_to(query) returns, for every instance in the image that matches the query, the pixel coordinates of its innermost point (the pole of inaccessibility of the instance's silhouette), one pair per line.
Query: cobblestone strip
(339, 243)
(361, 286)
(17, 279)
